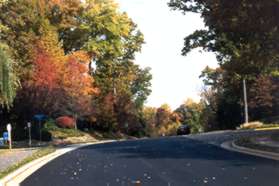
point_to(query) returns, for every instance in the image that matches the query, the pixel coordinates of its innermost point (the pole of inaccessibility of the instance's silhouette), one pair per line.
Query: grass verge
(248, 143)
(66, 133)
(258, 125)
(38, 154)
(61, 133)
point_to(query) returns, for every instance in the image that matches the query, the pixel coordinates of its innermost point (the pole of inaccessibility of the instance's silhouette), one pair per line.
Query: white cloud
(175, 77)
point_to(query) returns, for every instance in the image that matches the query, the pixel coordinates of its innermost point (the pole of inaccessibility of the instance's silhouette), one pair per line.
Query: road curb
(16, 177)
(230, 145)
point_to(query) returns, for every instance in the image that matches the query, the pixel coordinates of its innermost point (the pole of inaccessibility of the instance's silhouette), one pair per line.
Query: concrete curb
(230, 145)
(16, 177)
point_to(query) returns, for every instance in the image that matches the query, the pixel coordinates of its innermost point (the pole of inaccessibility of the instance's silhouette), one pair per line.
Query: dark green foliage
(8, 79)
(244, 36)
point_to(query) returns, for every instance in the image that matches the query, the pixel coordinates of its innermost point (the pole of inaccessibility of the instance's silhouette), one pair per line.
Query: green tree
(244, 37)
(8, 78)
(190, 113)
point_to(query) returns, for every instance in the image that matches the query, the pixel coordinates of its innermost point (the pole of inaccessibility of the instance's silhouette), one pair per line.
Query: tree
(127, 87)
(112, 39)
(41, 83)
(262, 98)
(8, 78)
(163, 115)
(244, 37)
(149, 117)
(76, 58)
(190, 113)
(209, 114)
(78, 85)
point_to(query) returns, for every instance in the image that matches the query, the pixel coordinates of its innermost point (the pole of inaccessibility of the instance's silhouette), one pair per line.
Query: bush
(46, 135)
(66, 122)
(50, 125)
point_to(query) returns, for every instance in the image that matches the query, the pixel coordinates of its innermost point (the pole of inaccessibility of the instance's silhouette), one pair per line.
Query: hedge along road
(174, 161)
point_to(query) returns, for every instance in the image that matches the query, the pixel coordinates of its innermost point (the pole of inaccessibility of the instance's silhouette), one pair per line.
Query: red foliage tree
(65, 122)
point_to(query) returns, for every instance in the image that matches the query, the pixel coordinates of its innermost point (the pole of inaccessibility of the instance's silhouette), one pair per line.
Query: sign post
(40, 118)
(29, 131)
(9, 129)
(40, 126)
(5, 136)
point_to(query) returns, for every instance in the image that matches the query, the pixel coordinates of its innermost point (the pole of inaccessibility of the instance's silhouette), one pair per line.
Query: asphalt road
(174, 161)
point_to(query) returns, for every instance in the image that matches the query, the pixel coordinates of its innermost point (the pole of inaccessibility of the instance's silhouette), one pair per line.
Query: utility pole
(245, 101)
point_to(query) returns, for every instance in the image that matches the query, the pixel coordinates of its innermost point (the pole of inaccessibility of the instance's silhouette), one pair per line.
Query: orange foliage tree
(78, 84)
(58, 84)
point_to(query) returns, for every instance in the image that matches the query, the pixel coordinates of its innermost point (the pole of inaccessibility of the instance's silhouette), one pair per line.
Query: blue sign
(6, 136)
(39, 117)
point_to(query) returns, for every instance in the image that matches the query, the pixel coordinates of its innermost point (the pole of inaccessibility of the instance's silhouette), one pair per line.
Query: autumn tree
(244, 37)
(149, 118)
(78, 85)
(76, 58)
(166, 121)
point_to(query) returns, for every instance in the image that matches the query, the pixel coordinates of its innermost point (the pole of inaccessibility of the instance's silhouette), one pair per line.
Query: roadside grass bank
(261, 143)
(67, 136)
(257, 125)
(38, 154)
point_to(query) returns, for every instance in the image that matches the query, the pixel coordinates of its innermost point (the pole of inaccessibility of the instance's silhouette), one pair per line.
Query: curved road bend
(174, 161)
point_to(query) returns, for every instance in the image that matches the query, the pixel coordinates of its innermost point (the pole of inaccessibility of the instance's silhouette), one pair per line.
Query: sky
(175, 77)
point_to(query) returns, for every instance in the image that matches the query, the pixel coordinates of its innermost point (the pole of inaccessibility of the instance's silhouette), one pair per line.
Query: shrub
(46, 135)
(65, 122)
(50, 125)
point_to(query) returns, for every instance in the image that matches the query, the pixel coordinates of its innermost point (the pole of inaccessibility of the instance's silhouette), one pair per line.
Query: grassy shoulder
(250, 143)
(38, 154)
(64, 136)
(73, 136)
(258, 125)
(61, 133)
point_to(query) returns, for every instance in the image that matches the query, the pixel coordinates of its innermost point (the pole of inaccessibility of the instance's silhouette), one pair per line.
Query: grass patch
(270, 125)
(61, 133)
(258, 125)
(40, 153)
(247, 142)
(66, 133)
(101, 135)
(104, 135)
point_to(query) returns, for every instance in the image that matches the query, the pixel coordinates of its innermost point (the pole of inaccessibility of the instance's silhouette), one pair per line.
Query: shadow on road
(175, 148)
